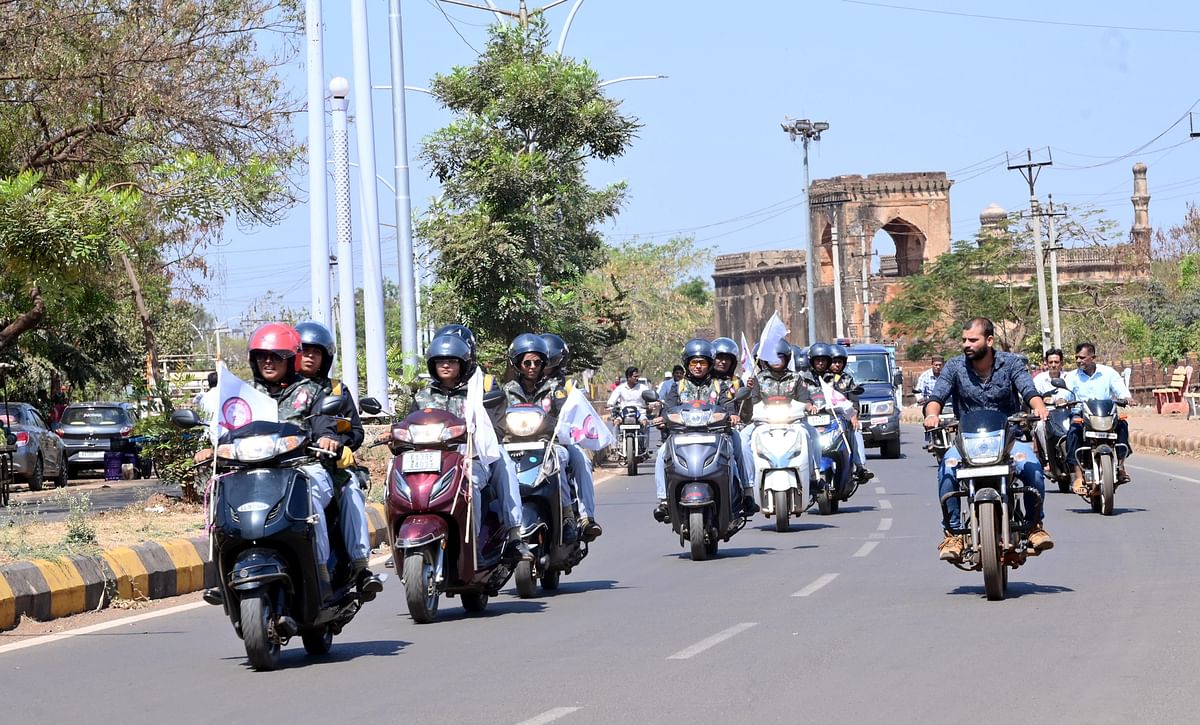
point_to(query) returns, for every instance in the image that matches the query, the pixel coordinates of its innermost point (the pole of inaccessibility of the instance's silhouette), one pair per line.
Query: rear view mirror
(370, 406)
(898, 379)
(185, 418)
(649, 396)
(494, 398)
(1058, 383)
(331, 405)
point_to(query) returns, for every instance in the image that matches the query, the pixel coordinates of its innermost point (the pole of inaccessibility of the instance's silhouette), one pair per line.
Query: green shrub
(172, 450)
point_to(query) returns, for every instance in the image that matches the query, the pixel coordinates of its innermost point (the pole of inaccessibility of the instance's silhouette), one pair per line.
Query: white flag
(772, 333)
(747, 360)
(479, 423)
(579, 423)
(234, 403)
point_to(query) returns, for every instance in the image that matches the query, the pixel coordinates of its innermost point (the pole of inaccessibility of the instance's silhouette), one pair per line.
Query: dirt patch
(28, 628)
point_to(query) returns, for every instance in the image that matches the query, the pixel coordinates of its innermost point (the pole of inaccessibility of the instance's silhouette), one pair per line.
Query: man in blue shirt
(987, 379)
(1090, 381)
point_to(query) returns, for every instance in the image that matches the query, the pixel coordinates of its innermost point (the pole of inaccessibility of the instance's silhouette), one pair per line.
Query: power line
(450, 20)
(1034, 21)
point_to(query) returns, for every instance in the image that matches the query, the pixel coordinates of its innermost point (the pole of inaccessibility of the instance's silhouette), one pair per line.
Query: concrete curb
(45, 590)
(1137, 439)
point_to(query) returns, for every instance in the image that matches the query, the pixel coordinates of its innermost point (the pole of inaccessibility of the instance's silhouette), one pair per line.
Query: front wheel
(474, 601)
(550, 579)
(317, 642)
(994, 578)
(526, 581)
(420, 589)
(631, 461)
(696, 535)
(1108, 486)
(262, 646)
(782, 511)
(826, 501)
(38, 476)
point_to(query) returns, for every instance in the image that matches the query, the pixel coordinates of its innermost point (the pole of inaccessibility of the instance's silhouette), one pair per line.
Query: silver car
(40, 453)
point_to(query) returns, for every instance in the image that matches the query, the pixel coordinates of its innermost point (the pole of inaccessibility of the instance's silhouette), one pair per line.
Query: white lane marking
(549, 716)
(884, 504)
(712, 641)
(876, 535)
(885, 524)
(866, 548)
(880, 490)
(47, 639)
(812, 588)
(1163, 473)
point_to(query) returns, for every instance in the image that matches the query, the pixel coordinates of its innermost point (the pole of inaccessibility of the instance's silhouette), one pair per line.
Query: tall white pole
(404, 243)
(1052, 241)
(318, 212)
(339, 87)
(1039, 265)
(374, 332)
(839, 316)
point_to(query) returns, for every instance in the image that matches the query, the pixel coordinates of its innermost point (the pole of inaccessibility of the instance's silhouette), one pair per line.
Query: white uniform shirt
(1041, 381)
(625, 395)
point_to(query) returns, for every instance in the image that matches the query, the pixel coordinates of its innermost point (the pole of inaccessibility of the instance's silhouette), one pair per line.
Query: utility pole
(1053, 245)
(839, 317)
(339, 88)
(807, 131)
(318, 214)
(1029, 171)
(409, 344)
(866, 283)
(521, 15)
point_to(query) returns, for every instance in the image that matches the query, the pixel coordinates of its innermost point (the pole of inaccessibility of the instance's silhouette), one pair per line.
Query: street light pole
(806, 131)
(408, 296)
(318, 214)
(339, 87)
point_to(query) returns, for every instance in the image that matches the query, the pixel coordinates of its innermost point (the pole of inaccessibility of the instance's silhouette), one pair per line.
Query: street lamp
(339, 88)
(806, 131)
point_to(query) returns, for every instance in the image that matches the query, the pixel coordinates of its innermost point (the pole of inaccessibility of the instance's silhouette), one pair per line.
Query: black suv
(89, 430)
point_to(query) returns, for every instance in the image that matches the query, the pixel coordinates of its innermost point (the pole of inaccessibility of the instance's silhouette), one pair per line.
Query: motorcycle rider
(821, 359)
(986, 378)
(628, 395)
(926, 380)
(317, 351)
(777, 379)
(698, 383)
(451, 364)
(725, 368)
(1092, 381)
(579, 469)
(528, 355)
(665, 386)
(800, 359)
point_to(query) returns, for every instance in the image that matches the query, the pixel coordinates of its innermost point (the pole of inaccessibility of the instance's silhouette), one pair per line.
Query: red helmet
(276, 337)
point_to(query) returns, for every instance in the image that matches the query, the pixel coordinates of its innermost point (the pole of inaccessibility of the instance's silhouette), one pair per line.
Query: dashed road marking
(816, 585)
(885, 504)
(549, 716)
(880, 490)
(713, 641)
(885, 524)
(866, 548)
(1163, 473)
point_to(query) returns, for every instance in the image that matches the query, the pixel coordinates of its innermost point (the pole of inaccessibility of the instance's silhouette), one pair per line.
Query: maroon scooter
(446, 538)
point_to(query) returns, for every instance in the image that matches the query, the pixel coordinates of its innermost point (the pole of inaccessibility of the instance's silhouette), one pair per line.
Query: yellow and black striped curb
(47, 589)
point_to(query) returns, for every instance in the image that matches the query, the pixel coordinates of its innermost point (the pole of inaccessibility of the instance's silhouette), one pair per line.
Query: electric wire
(1035, 21)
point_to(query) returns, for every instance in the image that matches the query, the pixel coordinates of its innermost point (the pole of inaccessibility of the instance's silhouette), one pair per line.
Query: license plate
(982, 471)
(1098, 434)
(692, 438)
(421, 461)
(631, 427)
(90, 455)
(818, 420)
(879, 421)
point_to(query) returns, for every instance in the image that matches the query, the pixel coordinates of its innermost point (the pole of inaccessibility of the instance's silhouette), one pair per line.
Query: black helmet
(697, 347)
(800, 357)
(726, 346)
(559, 352)
(820, 349)
(451, 346)
(524, 343)
(837, 351)
(461, 331)
(314, 333)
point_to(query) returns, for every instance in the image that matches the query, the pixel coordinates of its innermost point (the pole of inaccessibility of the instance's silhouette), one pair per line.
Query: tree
(515, 229)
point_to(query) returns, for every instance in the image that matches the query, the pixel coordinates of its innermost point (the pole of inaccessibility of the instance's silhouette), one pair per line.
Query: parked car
(39, 453)
(89, 430)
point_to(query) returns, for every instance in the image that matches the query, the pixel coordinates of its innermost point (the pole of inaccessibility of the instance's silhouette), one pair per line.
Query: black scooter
(264, 543)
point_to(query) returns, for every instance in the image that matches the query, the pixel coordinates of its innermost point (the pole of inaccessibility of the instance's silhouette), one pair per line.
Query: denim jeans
(1075, 439)
(1030, 473)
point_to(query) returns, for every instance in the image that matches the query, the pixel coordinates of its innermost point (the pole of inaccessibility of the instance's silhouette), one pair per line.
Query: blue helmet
(726, 346)
(449, 345)
(314, 333)
(559, 352)
(820, 349)
(461, 331)
(697, 347)
(837, 351)
(524, 343)
(800, 357)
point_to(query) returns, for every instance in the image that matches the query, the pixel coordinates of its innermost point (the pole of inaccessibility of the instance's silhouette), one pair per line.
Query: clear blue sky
(926, 88)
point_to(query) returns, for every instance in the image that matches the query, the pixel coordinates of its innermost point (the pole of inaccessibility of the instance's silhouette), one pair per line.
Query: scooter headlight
(983, 448)
(254, 449)
(523, 423)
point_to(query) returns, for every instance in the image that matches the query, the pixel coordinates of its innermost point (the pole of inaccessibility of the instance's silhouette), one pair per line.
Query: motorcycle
(704, 505)
(633, 439)
(1098, 453)
(782, 462)
(264, 547)
(1054, 444)
(994, 522)
(942, 437)
(529, 436)
(447, 537)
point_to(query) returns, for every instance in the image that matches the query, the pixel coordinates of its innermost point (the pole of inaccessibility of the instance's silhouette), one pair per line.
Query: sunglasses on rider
(532, 363)
(262, 356)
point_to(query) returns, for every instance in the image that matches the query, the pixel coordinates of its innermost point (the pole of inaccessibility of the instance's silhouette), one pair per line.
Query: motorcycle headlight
(883, 407)
(1102, 422)
(524, 423)
(983, 448)
(258, 448)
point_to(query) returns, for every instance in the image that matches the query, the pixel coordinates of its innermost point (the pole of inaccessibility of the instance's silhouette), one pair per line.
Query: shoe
(1078, 486)
(517, 550)
(661, 513)
(1039, 539)
(570, 534)
(951, 549)
(591, 530)
(863, 474)
(214, 596)
(1122, 475)
(749, 507)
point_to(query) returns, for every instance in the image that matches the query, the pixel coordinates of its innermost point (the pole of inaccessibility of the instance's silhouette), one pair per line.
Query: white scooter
(782, 461)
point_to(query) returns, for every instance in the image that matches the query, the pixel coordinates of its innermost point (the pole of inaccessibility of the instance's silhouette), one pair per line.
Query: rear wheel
(550, 579)
(826, 502)
(782, 511)
(1108, 486)
(62, 480)
(420, 590)
(526, 582)
(994, 576)
(262, 646)
(890, 449)
(38, 476)
(317, 642)
(696, 535)
(631, 461)
(474, 601)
